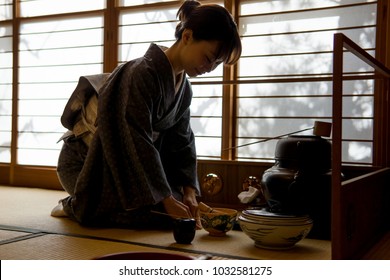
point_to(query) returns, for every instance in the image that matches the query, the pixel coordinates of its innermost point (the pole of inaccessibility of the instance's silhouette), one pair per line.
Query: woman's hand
(189, 199)
(175, 208)
(186, 209)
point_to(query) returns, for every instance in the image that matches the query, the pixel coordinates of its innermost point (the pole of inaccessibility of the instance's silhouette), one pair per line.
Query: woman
(137, 157)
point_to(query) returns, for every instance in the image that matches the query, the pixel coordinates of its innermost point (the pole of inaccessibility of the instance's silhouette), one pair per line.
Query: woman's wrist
(189, 190)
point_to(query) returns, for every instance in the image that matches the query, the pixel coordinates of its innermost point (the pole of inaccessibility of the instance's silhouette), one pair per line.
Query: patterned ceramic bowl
(219, 221)
(275, 235)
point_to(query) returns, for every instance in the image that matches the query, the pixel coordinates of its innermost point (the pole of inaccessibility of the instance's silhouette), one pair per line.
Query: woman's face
(199, 56)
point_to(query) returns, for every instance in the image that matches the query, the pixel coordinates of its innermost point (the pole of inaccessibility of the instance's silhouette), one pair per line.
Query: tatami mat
(26, 209)
(7, 236)
(59, 247)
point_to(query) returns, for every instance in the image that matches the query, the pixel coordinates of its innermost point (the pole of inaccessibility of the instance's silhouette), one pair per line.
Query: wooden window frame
(45, 176)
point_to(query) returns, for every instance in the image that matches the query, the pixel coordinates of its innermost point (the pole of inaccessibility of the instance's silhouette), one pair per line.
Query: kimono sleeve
(178, 154)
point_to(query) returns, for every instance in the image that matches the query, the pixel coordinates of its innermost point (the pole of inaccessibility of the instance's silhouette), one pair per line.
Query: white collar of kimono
(177, 80)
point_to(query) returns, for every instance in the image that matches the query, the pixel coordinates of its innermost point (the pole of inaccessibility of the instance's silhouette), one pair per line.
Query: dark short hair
(210, 22)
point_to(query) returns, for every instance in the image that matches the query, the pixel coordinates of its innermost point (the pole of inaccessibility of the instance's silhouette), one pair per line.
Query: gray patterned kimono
(143, 149)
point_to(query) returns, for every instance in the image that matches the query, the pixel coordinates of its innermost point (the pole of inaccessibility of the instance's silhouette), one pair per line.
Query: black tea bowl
(184, 230)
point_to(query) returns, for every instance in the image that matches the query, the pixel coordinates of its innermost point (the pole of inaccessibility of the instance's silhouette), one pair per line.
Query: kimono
(142, 148)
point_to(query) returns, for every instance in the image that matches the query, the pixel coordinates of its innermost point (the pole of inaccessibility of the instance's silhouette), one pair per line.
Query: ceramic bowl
(219, 221)
(184, 230)
(266, 217)
(275, 234)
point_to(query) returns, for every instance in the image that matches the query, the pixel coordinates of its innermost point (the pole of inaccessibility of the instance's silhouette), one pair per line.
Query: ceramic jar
(300, 180)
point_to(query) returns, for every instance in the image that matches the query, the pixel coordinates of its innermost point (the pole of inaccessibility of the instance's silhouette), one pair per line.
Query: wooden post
(336, 224)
